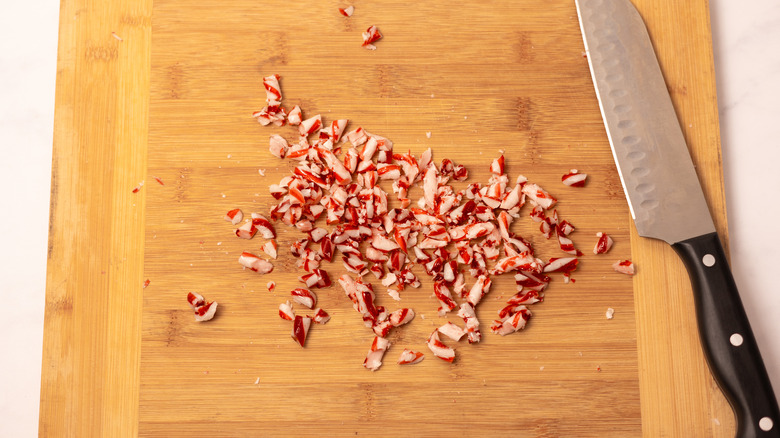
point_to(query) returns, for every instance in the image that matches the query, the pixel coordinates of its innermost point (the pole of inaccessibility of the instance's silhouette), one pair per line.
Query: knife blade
(667, 202)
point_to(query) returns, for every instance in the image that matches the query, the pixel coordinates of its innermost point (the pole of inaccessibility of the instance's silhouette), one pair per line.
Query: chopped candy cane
(452, 331)
(574, 178)
(624, 267)
(512, 323)
(234, 216)
(479, 290)
(195, 300)
(565, 264)
(206, 312)
(255, 263)
(439, 349)
(401, 317)
(346, 191)
(374, 357)
(512, 198)
(347, 12)
(336, 129)
(304, 297)
(445, 298)
(300, 329)
(604, 243)
(317, 234)
(320, 316)
(567, 245)
(370, 36)
(270, 248)
(316, 278)
(146, 283)
(286, 311)
(273, 92)
(278, 146)
(539, 195)
(263, 226)
(159, 180)
(497, 166)
(410, 357)
(472, 323)
(246, 231)
(358, 137)
(271, 285)
(310, 125)
(610, 313)
(295, 116)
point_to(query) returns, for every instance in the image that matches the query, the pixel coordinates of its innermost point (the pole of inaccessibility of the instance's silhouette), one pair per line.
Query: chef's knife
(667, 201)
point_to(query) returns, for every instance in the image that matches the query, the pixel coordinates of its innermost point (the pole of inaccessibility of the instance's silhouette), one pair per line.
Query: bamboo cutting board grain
(169, 95)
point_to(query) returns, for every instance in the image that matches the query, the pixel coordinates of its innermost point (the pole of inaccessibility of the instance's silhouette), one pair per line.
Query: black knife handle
(727, 339)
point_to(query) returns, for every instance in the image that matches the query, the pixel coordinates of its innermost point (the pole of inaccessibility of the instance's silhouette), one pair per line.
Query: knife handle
(727, 340)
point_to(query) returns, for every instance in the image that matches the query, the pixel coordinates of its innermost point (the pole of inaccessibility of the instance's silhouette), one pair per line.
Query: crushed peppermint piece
(370, 36)
(624, 267)
(610, 313)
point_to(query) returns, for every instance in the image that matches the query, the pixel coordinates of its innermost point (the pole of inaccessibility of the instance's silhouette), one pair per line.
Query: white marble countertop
(746, 39)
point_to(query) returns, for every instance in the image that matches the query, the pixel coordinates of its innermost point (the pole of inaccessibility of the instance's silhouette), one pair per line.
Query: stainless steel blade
(655, 167)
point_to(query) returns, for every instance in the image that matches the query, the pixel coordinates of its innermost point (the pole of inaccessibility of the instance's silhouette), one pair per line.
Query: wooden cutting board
(165, 89)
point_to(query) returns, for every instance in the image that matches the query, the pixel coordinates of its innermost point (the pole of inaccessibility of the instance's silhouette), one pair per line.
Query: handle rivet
(708, 260)
(736, 340)
(766, 424)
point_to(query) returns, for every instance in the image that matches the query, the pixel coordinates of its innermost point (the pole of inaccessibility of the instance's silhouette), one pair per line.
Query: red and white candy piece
(335, 129)
(263, 226)
(234, 216)
(204, 310)
(563, 264)
(370, 36)
(374, 357)
(278, 146)
(624, 267)
(286, 311)
(539, 195)
(439, 349)
(512, 323)
(255, 263)
(246, 231)
(320, 316)
(479, 290)
(603, 244)
(304, 297)
(195, 300)
(273, 92)
(410, 357)
(401, 317)
(472, 323)
(574, 178)
(497, 166)
(270, 249)
(452, 331)
(300, 329)
(347, 12)
(310, 125)
(271, 285)
(295, 117)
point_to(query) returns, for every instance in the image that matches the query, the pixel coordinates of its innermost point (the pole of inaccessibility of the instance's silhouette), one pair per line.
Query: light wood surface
(172, 99)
